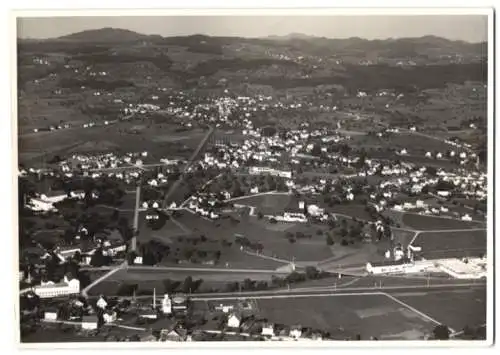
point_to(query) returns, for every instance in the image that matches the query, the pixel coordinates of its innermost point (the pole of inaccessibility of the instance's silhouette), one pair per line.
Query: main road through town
(323, 291)
(190, 162)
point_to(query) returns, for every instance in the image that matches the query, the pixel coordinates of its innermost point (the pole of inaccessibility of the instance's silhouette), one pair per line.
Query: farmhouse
(443, 193)
(268, 329)
(296, 331)
(294, 216)
(50, 314)
(109, 316)
(259, 170)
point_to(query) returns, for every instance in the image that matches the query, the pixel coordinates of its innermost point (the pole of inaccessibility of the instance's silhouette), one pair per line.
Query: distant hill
(391, 47)
(290, 36)
(108, 34)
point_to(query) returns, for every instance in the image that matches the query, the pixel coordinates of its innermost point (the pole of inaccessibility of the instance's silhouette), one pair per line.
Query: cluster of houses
(207, 205)
(102, 161)
(412, 180)
(40, 61)
(44, 203)
(468, 184)
(302, 214)
(52, 128)
(270, 331)
(109, 245)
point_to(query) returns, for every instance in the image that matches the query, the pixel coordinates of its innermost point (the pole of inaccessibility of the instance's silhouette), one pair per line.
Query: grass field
(147, 280)
(412, 142)
(114, 138)
(275, 242)
(165, 235)
(352, 210)
(267, 204)
(403, 237)
(452, 244)
(271, 236)
(239, 260)
(367, 315)
(53, 334)
(420, 222)
(454, 308)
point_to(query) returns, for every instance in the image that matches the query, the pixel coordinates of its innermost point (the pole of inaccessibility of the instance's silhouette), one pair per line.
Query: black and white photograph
(277, 176)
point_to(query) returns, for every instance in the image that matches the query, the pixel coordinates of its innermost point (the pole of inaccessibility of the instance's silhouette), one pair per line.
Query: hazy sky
(472, 28)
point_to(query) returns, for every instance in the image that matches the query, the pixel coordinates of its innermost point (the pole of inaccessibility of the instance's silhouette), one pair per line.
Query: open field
(114, 138)
(53, 334)
(456, 308)
(367, 315)
(420, 222)
(238, 259)
(166, 235)
(403, 237)
(273, 239)
(415, 144)
(452, 244)
(353, 210)
(149, 279)
(276, 243)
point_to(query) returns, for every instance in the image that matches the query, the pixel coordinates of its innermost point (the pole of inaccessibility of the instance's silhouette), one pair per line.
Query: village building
(89, 322)
(234, 320)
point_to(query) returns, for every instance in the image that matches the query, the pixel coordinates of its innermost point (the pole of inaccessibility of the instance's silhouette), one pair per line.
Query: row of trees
(189, 285)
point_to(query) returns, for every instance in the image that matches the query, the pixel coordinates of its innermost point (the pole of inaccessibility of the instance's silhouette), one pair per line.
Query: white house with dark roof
(268, 329)
(234, 320)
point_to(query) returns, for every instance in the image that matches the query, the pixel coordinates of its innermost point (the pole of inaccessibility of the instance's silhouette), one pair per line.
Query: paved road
(200, 269)
(115, 269)
(328, 291)
(190, 162)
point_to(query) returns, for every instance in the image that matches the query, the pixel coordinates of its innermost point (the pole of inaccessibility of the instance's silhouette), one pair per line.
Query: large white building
(49, 290)
(386, 267)
(45, 203)
(262, 170)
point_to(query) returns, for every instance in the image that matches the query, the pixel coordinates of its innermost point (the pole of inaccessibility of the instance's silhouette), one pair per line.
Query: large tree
(441, 332)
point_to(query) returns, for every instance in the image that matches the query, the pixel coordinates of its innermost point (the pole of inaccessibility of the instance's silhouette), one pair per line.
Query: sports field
(452, 244)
